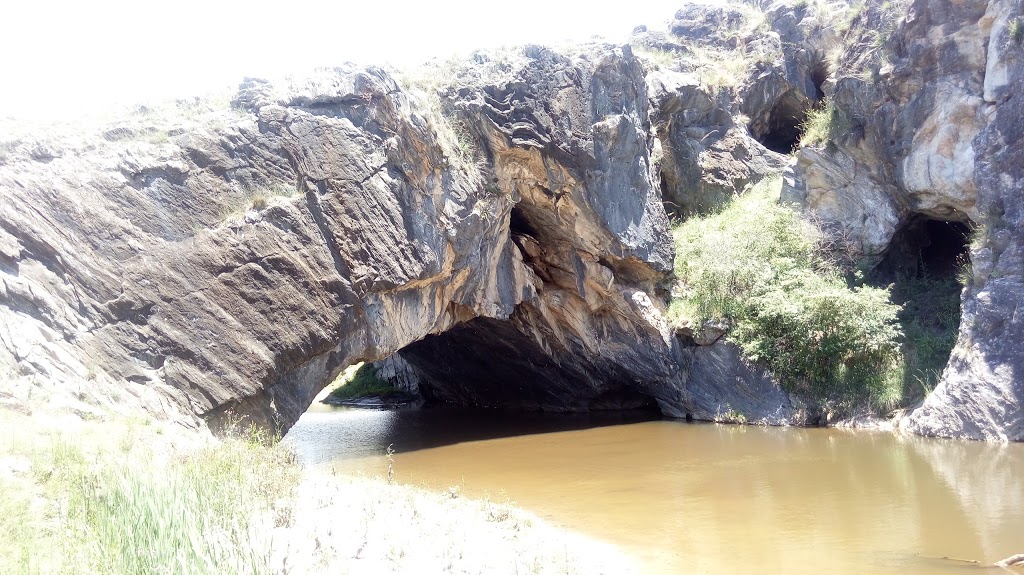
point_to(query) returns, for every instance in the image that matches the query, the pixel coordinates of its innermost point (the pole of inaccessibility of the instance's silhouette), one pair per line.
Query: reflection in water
(702, 498)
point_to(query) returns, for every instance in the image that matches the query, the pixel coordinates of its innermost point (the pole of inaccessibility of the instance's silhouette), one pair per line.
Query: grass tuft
(113, 509)
(823, 124)
(1016, 31)
(720, 69)
(256, 198)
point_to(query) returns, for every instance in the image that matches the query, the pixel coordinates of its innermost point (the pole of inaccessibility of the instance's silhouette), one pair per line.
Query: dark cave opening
(926, 264)
(819, 73)
(519, 224)
(491, 363)
(781, 138)
(925, 248)
(782, 132)
(947, 247)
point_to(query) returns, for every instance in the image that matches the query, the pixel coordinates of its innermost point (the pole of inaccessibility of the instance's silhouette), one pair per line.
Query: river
(704, 498)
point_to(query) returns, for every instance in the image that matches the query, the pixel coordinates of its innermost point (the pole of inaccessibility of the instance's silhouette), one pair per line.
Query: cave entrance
(386, 384)
(492, 363)
(926, 248)
(819, 74)
(926, 263)
(471, 383)
(781, 132)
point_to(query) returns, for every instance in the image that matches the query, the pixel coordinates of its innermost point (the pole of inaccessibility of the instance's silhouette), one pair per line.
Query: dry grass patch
(105, 499)
(125, 497)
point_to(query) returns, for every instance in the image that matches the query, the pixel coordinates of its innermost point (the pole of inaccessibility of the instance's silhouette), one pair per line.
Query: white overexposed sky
(57, 57)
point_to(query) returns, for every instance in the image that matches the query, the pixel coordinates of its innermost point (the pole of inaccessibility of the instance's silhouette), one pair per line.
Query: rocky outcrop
(506, 233)
(706, 158)
(591, 227)
(399, 374)
(732, 88)
(128, 280)
(934, 131)
(210, 273)
(982, 390)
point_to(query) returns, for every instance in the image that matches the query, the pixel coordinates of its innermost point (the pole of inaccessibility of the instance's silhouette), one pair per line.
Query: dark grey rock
(723, 387)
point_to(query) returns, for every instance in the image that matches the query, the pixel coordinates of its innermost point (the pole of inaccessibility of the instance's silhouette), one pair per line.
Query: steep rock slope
(934, 131)
(569, 138)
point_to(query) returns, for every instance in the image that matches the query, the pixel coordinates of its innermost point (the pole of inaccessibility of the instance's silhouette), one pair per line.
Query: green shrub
(361, 380)
(757, 265)
(824, 339)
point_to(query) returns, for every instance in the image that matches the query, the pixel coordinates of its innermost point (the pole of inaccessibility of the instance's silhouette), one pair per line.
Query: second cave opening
(927, 263)
(782, 130)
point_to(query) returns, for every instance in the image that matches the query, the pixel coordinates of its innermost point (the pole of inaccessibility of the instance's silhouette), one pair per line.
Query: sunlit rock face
(938, 134)
(233, 271)
(507, 234)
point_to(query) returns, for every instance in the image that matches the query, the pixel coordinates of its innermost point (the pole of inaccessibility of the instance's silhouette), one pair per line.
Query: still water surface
(703, 498)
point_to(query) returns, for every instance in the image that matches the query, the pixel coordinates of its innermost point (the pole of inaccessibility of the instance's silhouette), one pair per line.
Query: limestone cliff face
(982, 390)
(937, 133)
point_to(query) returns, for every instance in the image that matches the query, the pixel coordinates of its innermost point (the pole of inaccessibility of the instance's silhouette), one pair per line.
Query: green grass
(822, 125)
(1016, 30)
(361, 380)
(117, 509)
(930, 318)
(758, 265)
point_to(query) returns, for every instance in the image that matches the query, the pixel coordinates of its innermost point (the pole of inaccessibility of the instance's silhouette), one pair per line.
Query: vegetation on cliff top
(764, 270)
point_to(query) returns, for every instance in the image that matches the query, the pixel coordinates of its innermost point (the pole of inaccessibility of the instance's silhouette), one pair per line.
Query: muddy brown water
(703, 498)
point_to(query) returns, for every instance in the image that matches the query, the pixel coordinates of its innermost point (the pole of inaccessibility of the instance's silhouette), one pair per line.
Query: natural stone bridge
(515, 247)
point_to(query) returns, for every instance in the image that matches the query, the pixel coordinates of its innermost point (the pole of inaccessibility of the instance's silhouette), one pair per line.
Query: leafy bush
(758, 266)
(361, 380)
